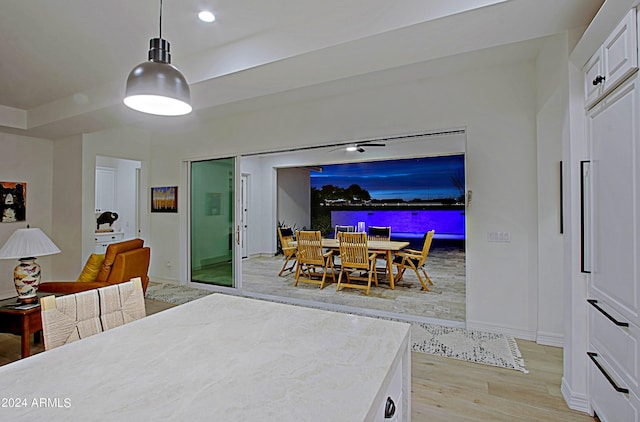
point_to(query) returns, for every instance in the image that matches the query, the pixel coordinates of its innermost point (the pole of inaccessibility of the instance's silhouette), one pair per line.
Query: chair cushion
(91, 268)
(286, 232)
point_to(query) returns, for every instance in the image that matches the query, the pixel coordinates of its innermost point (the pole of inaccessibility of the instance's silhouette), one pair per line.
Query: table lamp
(25, 245)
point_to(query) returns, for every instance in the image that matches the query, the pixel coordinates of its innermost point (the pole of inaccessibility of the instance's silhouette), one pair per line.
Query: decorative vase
(26, 277)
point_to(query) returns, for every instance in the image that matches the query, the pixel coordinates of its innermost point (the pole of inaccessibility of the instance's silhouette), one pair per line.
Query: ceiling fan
(360, 147)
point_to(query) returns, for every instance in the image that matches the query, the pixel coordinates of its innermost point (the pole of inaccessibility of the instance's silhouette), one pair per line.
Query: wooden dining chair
(121, 303)
(69, 318)
(288, 249)
(358, 264)
(343, 229)
(314, 265)
(380, 234)
(416, 260)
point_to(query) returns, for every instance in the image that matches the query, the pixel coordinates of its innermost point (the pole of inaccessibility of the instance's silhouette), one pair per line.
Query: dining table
(386, 247)
(221, 358)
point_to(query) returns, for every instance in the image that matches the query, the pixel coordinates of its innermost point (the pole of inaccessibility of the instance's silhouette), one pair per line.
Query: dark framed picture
(13, 201)
(164, 199)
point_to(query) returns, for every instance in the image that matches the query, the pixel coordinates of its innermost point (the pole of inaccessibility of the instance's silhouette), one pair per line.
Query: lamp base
(26, 277)
(26, 300)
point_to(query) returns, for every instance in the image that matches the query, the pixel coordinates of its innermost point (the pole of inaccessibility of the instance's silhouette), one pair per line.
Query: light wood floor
(450, 390)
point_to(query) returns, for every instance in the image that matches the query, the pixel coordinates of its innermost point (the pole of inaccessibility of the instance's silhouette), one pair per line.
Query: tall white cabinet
(613, 189)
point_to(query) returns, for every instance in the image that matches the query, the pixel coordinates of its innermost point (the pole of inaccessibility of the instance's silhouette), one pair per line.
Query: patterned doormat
(457, 343)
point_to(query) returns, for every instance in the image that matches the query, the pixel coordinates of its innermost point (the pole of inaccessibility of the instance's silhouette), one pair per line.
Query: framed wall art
(13, 198)
(164, 199)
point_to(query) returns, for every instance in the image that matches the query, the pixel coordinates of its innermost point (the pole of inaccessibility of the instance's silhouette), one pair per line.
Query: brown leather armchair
(122, 262)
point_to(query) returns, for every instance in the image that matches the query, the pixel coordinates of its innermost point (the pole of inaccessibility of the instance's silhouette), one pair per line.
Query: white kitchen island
(220, 358)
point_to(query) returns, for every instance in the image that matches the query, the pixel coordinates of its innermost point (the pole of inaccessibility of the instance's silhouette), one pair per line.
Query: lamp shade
(29, 242)
(156, 86)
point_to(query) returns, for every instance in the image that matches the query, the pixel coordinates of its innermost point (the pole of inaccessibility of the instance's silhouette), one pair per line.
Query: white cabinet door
(614, 287)
(593, 73)
(614, 133)
(105, 188)
(620, 51)
(614, 61)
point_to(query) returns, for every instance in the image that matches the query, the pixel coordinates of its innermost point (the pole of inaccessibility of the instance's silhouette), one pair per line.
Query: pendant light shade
(156, 86)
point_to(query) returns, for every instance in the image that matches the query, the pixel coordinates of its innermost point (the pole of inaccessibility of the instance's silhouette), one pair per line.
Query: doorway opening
(117, 191)
(284, 193)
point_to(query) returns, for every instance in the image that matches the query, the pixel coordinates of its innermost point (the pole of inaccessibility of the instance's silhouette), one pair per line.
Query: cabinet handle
(619, 389)
(389, 408)
(594, 303)
(598, 80)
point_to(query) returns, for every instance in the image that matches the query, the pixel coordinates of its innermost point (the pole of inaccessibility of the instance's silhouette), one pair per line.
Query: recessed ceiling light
(206, 16)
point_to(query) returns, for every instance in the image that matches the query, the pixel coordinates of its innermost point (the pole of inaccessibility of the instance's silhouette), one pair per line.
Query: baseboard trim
(577, 402)
(550, 339)
(164, 280)
(500, 329)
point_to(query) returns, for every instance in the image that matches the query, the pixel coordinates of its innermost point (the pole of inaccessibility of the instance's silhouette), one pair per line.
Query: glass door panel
(212, 222)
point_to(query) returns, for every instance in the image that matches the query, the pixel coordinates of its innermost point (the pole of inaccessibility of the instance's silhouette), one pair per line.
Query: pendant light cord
(161, 19)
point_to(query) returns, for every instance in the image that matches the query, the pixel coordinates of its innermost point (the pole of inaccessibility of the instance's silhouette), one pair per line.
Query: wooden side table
(21, 322)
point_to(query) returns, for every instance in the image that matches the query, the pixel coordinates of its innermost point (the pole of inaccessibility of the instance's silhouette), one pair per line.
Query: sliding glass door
(213, 238)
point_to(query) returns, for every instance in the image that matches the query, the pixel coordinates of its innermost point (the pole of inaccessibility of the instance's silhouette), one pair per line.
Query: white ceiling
(63, 64)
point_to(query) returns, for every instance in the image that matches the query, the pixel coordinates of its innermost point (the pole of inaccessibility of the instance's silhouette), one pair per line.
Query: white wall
(294, 198)
(498, 108)
(67, 208)
(30, 160)
(552, 119)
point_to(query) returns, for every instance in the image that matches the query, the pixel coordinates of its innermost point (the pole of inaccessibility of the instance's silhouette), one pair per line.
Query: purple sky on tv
(422, 178)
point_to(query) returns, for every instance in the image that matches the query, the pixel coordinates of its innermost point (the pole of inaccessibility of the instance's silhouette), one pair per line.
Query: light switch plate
(499, 237)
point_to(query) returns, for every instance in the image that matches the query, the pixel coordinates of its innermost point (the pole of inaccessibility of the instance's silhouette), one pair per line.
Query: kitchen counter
(220, 358)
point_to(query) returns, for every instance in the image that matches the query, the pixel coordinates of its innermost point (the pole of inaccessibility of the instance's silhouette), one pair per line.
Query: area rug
(173, 293)
(457, 343)
(469, 345)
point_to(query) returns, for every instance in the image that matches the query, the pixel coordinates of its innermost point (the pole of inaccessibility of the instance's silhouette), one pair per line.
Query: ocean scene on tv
(412, 196)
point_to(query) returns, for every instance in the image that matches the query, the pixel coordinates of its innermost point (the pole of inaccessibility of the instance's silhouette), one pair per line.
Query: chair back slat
(426, 246)
(379, 233)
(286, 236)
(343, 229)
(354, 251)
(310, 247)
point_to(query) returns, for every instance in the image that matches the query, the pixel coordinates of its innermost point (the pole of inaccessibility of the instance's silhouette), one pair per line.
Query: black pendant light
(156, 86)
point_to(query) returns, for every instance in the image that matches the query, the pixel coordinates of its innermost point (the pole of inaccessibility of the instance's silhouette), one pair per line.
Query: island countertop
(219, 358)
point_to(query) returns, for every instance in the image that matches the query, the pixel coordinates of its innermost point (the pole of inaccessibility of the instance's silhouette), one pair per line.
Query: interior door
(212, 217)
